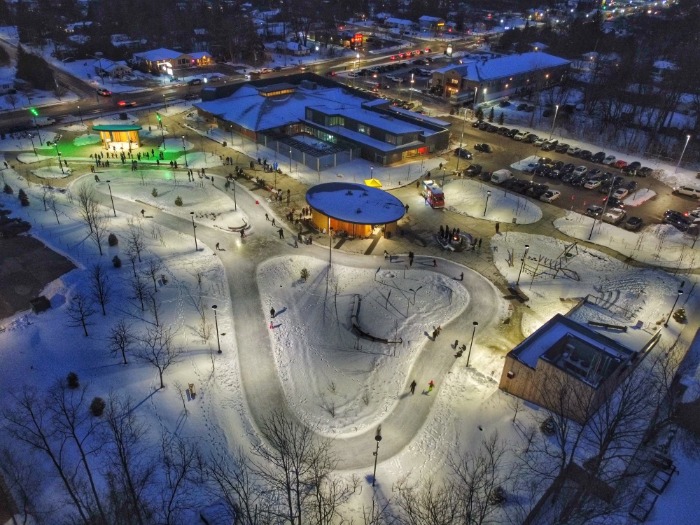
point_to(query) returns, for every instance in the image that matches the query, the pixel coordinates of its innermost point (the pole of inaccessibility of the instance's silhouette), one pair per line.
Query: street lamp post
(216, 327)
(371, 172)
(687, 139)
(184, 149)
(357, 66)
(165, 101)
(410, 89)
(461, 138)
(377, 438)
(194, 231)
(290, 161)
(233, 183)
(111, 198)
(80, 114)
(556, 110)
(680, 292)
(58, 154)
(522, 264)
(471, 343)
(488, 194)
(31, 137)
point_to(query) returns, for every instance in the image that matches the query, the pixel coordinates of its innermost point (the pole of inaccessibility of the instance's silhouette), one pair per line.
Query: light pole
(680, 292)
(194, 231)
(377, 438)
(216, 326)
(80, 114)
(687, 139)
(31, 137)
(233, 183)
(58, 154)
(357, 66)
(165, 102)
(522, 264)
(461, 138)
(185, 150)
(488, 194)
(111, 198)
(290, 161)
(410, 89)
(371, 172)
(471, 343)
(556, 110)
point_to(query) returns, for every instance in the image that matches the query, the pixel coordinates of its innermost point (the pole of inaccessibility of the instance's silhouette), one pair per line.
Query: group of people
(413, 385)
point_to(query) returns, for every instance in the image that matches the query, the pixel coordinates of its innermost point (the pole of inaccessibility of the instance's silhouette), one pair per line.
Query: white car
(538, 142)
(620, 193)
(592, 184)
(580, 170)
(609, 160)
(550, 195)
(614, 215)
(521, 136)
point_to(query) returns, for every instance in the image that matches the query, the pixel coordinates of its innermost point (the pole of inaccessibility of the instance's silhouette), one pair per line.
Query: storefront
(119, 137)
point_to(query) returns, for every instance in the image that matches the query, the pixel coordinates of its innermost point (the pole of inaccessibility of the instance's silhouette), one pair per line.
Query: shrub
(112, 240)
(178, 201)
(304, 274)
(7, 189)
(154, 192)
(97, 407)
(72, 380)
(23, 199)
(116, 261)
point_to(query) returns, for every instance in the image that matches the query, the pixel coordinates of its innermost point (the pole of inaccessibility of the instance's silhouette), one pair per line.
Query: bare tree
(99, 230)
(99, 285)
(53, 206)
(87, 205)
(153, 271)
(134, 239)
(121, 337)
(80, 310)
(73, 422)
(24, 480)
(46, 190)
(181, 462)
(130, 472)
(296, 465)
(154, 307)
(432, 503)
(139, 289)
(29, 423)
(157, 349)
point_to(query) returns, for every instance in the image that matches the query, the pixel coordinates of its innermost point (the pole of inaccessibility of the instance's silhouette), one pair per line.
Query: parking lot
(552, 173)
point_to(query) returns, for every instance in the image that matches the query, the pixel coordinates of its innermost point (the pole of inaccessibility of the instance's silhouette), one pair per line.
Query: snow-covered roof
(495, 68)
(355, 203)
(426, 18)
(398, 22)
(199, 54)
(158, 54)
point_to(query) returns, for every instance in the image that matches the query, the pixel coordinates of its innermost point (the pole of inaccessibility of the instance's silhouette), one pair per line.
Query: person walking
(281, 232)
(479, 243)
(273, 222)
(434, 263)
(267, 217)
(413, 386)
(272, 313)
(431, 385)
(217, 247)
(498, 227)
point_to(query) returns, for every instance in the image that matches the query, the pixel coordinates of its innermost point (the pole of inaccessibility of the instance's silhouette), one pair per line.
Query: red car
(619, 164)
(126, 103)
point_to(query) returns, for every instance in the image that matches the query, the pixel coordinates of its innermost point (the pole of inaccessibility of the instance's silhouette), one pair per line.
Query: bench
(608, 326)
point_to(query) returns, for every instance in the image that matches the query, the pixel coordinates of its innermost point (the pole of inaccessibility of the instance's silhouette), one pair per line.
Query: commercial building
(490, 78)
(312, 120)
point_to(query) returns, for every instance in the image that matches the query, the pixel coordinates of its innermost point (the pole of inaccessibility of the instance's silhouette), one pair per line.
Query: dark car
(644, 171)
(485, 176)
(578, 180)
(531, 138)
(472, 170)
(598, 157)
(491, 128)
(585, 155)
(677, 220)
(594, 210)
(549, 145)
(568, 168)
(512, 133)
(521, 107)
(567, 176)
(562, 147)
(631, 185)
(194, 81)
(614, 202)
(463, 153)
(104, 92)
(631, 168)
(483, 147)
(537, 190)
(633, 224)
(502, 130)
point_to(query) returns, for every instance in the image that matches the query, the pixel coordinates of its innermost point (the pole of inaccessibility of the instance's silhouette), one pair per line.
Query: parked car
(585, 154)
(677, 219)
(194, 81)
(631, 185)
(531, 138)
(537, 190)
(531, 167)
(539, 143)
(502, 130)
(574, 152)
(598, 157)
(562, 148)
(104, 92)
(633, 224)
(550, 145)
(620, 193)
(592, 184)
(614, 202)
(550, 195)
(463, 153)
(513, 132)
(594, 210)
(594, 173)
(619, 164)
(609, 160)
(520, 136)
(568, 168)
(483, 147)
(614, 215)
(580, 170)
(473, 170)
(644, 171)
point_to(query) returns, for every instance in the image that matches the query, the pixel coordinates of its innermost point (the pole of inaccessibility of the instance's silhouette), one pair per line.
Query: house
(487, 78)
(565, 355)
(431, 23)
(200, 59)
(105, 67)
(321, 123)
(399, 24)
(163, 59)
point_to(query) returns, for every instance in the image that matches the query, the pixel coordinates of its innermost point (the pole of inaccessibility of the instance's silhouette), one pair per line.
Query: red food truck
(432, 193)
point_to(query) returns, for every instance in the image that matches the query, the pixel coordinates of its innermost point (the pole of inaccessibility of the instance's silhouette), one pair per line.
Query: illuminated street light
(194, 231)
(469, 354)
(522, 264)
(556, 110)
(488, 194)
(185, 150)
(216, 326)
(687, 139)
(377, 438)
